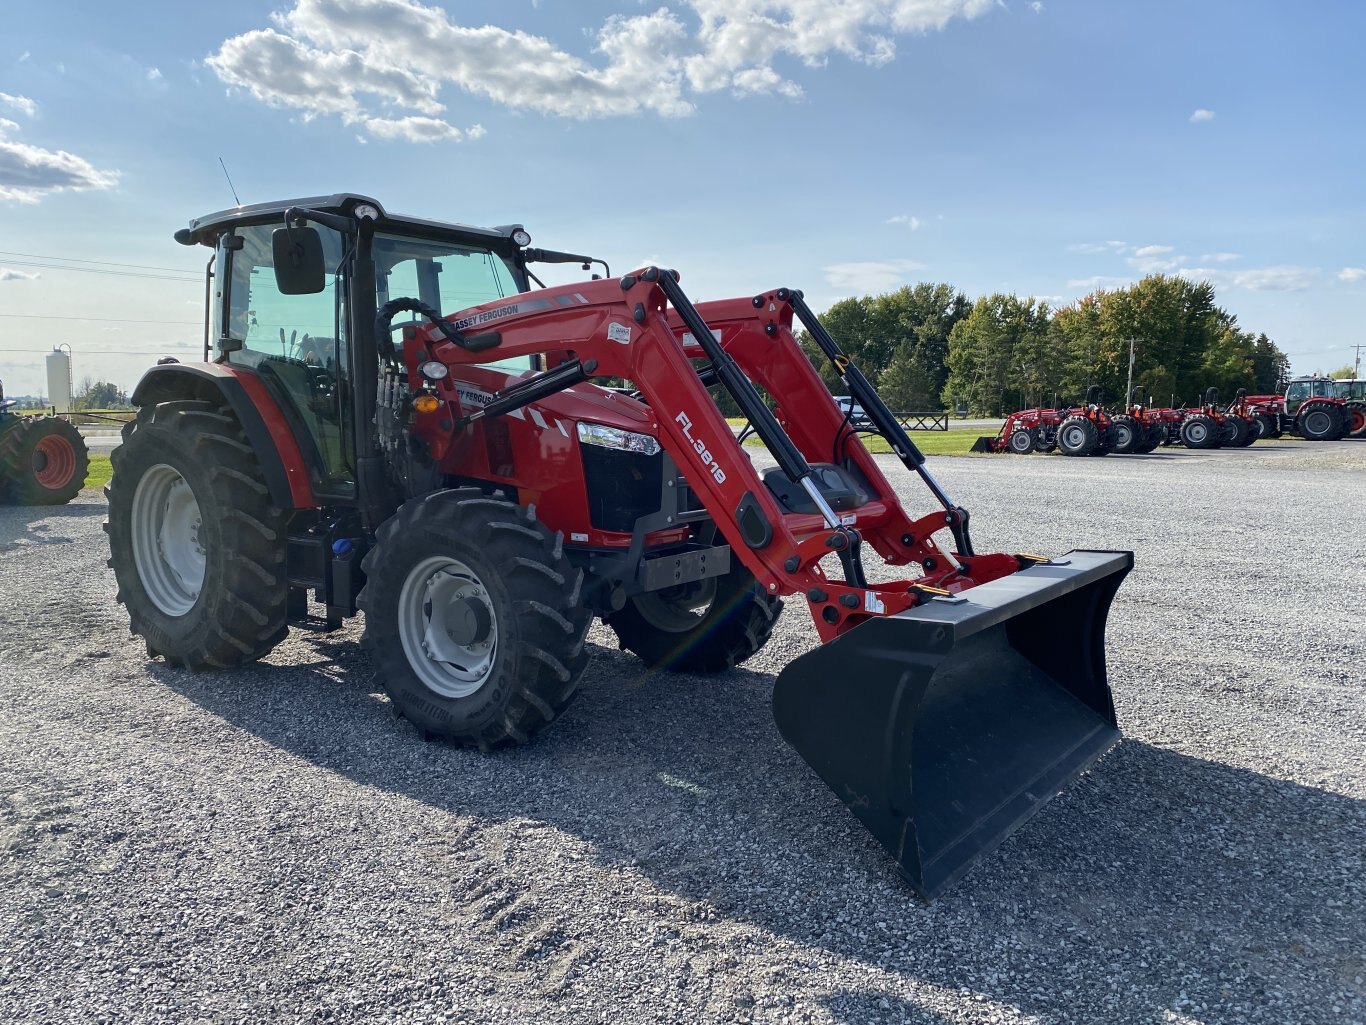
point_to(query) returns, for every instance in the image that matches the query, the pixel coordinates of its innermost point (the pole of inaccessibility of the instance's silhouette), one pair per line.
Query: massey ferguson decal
(498, 313)
(703, 453)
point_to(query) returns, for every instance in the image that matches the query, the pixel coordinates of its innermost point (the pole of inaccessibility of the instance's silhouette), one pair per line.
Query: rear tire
(197, 548)
(13, 430)
(1267, 427)
(1199, 432)
(1320, 422)
(1077, 436)
(706, 627)
(49, 465)
(1236, 432)
(1021, 442)
(1128, 434)
(474, 618)
(1356, 419)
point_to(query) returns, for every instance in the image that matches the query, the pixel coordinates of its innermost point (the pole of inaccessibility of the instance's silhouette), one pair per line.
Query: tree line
(928, 346)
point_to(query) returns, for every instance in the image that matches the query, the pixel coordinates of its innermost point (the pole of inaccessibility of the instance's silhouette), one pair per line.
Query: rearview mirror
(300, 267)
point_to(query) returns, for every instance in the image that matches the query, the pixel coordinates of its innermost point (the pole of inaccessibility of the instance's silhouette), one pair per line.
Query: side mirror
(300, 267)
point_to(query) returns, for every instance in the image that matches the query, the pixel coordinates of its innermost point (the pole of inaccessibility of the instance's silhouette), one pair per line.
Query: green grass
(954, 442)
(100, 471)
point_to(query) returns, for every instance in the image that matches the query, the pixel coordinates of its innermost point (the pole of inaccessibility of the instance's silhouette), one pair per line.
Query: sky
(844, 147)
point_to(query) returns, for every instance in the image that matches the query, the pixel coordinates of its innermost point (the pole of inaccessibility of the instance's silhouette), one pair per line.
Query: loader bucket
(985, 443)
(946, 727)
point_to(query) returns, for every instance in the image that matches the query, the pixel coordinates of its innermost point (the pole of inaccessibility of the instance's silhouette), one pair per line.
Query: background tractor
(43, 459)
(395, 420)
(1085, 430)
(1310, 407)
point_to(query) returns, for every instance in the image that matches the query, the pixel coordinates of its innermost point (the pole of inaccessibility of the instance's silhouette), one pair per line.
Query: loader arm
(635, 328)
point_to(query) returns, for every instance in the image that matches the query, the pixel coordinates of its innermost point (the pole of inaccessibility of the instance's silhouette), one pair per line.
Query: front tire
(1021, 442)
(1236, 432)
(1356, 419)
(704, 627)
(474, 618)
(196, 546)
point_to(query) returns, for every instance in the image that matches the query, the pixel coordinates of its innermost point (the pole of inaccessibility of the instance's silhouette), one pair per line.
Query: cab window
(447, 277)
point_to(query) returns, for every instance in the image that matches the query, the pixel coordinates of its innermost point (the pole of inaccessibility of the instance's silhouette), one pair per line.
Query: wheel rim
(166, 544)
(1317, 422)
(677, 609)
(1021, 442)
(1197, 432)
(1073, 437)
(1124, 437)
(447, 626)
(54, 462)
(1356, 420)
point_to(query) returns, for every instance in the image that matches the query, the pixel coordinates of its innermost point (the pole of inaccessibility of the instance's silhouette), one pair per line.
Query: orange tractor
(454, 475)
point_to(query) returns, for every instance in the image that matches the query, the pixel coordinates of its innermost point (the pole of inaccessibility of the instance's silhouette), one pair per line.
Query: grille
(622, 486)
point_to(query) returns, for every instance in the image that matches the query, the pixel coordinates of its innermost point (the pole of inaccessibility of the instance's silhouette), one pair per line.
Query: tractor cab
(296, 304)
(1303, 388)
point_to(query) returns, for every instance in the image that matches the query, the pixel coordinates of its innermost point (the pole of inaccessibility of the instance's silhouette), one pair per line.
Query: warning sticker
(619, 333)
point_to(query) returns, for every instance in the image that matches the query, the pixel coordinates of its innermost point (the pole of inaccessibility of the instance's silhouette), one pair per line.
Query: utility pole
(1129, 387)
(1356, 371)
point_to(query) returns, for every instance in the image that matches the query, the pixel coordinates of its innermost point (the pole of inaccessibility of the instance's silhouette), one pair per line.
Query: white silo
(59, 378)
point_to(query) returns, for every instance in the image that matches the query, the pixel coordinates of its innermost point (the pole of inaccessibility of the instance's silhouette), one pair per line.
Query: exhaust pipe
(946, 727)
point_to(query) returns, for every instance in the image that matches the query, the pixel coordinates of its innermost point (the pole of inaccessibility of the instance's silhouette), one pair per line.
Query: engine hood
(603, 406)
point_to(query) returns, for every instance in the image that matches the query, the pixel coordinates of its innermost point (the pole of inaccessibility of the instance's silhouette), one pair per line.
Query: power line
(103, 263)
(98, 320)
(104, 270)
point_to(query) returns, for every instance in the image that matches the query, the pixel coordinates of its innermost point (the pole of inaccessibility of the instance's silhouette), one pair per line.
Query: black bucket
(945, 728)
(986, 443)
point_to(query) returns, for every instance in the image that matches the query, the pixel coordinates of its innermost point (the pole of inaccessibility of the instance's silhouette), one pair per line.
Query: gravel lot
(270, 844)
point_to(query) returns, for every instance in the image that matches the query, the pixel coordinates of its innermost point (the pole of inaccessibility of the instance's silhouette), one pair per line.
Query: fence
(912, 421)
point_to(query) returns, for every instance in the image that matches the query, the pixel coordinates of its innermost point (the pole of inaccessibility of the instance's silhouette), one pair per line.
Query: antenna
(229, 177)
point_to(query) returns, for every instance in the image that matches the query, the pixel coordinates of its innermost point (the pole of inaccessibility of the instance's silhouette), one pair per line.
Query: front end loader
(448, 468)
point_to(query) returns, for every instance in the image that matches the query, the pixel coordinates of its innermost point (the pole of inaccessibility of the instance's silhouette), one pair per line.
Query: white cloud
(10, 274)
(870, 276)
(22, 104)
(1142, 251)
(1099, 281)
(1037, 6)
(28, 173)
(383, 62)
(1112, 246)
(1257, 279)
(1202, 115)
(153, 74)
(914, 223)
(418, 129)
(1352, 274)
(1220, 257)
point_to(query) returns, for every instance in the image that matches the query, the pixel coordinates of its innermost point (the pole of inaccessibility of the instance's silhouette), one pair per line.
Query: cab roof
(206, 229)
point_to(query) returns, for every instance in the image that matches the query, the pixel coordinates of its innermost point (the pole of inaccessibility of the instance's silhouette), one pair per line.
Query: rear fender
(267, 431)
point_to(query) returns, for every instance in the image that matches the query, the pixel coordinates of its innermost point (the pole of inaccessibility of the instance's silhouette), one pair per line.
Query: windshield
(446, 276)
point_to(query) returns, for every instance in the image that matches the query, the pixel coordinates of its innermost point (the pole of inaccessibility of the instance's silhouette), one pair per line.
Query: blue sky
(840, 146)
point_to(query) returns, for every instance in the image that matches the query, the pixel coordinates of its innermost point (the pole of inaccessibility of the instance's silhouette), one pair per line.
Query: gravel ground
(270, 844)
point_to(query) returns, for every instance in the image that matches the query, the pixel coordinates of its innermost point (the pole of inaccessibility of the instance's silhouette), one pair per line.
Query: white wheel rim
(1316, 423)
(433, 604)
(167, 551)
(1020, 441)
(1074, 437)
(1196, 432)
(1123, 436)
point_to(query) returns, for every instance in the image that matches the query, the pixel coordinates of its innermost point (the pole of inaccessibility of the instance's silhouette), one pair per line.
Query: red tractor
(43, 459)
(1085, 430)
(458, 479)
(1312, 408)
(1137, 429)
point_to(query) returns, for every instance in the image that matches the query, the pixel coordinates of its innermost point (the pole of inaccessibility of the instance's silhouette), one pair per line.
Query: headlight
(433, 371)
(613, 437)
(521, 237)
